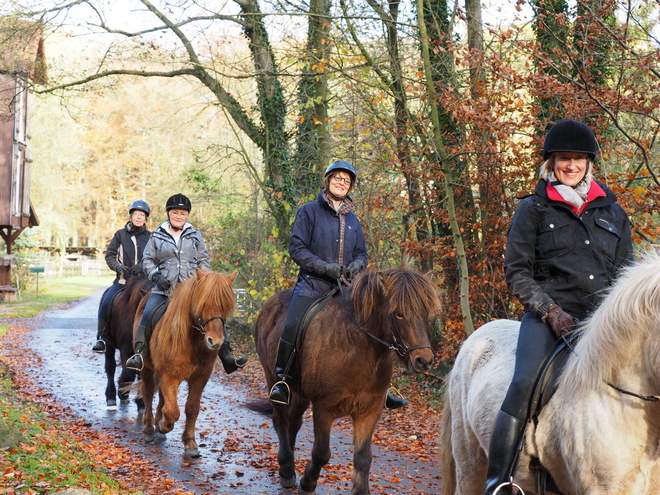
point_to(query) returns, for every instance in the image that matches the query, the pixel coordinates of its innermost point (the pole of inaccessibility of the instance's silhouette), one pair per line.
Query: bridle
(398, 343)
(198, 324)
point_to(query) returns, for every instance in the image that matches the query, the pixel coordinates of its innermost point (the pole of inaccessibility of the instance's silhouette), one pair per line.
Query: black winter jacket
(555, 256)
(314, 242)
(126, 248)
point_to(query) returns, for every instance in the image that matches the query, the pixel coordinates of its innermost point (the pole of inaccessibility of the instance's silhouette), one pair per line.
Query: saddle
(108, 313)
(311, 312)
(544, 389)
(155, 318)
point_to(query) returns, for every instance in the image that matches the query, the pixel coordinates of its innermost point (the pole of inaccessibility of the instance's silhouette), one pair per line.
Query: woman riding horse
(124, 256)
(173, 252)
(327, 242)
(565, 244)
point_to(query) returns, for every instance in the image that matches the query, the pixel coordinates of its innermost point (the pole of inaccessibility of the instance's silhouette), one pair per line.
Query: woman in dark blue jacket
(327, 242)
(123, 256)
(566, 243)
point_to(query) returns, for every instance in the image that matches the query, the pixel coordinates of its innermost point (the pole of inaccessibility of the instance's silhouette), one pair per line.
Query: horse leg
(320, 452)
(287, 422)
(363, 430)
(110, 368)
(148, 385)
(195, 389)
(168, 410)
(126, 379)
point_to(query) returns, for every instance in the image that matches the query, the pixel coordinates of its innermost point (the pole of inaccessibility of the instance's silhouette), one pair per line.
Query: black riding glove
(136, 269)
(559, 320)
(122, 270)
(353, 268)
(332, 270)
(161, 282)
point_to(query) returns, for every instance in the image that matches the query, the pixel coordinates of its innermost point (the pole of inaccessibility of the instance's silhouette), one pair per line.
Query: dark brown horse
(120, 338)
(183, 347)
(345, 364)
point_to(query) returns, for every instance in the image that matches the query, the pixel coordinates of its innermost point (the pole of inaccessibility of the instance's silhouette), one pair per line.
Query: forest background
(241, 105)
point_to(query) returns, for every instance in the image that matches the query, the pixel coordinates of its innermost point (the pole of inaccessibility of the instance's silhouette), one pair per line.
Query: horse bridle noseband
(199, 324)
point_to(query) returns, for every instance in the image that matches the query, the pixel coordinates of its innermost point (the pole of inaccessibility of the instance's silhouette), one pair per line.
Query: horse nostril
(422, 364)
(209, 342)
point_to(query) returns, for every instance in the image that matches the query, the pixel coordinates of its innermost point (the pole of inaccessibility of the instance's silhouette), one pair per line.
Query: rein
(649, 398)
(199, 324)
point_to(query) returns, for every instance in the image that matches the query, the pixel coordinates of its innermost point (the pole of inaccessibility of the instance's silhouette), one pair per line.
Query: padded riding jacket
(315, 241)
(176, 262)
(556, 256)
(126, 248)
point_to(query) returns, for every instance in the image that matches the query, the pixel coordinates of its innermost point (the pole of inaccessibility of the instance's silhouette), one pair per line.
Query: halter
(400, 347)
(199, 324)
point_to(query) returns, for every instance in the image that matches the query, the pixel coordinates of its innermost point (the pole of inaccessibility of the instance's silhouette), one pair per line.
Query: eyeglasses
(341, 180)
(179, 214)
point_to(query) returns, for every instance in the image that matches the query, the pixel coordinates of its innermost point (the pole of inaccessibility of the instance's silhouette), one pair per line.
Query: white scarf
(576, 196)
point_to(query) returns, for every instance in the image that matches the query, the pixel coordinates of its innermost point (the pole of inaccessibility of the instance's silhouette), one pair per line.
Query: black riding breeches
(154, 301)
(536, 341)
(297, 309)
(108, 295)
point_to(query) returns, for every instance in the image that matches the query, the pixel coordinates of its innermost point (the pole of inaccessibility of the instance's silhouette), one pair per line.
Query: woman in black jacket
(327, 242)
(566, 243)
(124, 256)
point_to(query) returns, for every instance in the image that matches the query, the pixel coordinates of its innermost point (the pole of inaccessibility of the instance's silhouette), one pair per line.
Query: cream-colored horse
(593, 439)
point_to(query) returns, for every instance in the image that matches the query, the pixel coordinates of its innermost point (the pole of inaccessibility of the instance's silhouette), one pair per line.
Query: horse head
(212, 301)
(400, 303)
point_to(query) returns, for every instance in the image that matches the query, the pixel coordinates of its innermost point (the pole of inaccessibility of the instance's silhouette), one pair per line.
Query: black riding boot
(136, 361)
(229, 362)
(281, 393)
(392, 402)
(101, 333)
(503, 453)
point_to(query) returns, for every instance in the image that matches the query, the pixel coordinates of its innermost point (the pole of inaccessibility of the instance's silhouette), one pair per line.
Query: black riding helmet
(140, 206)
(341, 165)
(570, 135)
(178, 201)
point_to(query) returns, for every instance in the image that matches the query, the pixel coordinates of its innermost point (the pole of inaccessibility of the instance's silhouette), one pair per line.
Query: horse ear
(232, 276)
(200, 272)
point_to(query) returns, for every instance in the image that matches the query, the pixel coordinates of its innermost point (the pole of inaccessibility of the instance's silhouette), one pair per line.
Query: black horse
(120, 337)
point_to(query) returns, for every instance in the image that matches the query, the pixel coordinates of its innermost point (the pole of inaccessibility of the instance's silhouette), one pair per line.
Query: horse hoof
(149, 437)
(111, 404)
(192, 452)
(288, 482)
(303, 492)
(124, 402)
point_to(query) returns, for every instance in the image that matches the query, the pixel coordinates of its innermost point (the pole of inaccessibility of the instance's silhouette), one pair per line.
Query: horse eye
(398, 315)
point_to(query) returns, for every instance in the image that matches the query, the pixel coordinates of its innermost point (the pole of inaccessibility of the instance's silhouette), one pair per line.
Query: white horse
(593, 439)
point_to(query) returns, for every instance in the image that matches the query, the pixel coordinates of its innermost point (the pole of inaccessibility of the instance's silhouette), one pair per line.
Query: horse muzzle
(420, 360)
(211, 343)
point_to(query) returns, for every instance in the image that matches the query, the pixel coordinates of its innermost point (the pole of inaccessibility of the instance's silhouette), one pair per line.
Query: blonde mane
(628, 315)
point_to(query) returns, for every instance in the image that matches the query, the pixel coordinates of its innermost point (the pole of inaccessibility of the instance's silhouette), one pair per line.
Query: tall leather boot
(392, 402)
(503, 453)
(136, 361)
(229, 362)
(280, 394)
(101, 333)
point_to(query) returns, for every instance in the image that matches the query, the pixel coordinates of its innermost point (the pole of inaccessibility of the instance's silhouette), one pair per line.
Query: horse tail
(446, 455)
(261, 406)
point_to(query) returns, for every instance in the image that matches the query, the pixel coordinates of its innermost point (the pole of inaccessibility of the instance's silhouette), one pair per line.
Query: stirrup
(288, 394)
(135, 366)
(511, 484)
(99, 346)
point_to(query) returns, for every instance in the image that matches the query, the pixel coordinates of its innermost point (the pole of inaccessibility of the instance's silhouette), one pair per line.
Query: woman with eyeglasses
(173, 252)
(327, 242)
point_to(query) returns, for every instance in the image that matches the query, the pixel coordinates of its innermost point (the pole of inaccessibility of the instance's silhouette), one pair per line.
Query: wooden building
(22, 64)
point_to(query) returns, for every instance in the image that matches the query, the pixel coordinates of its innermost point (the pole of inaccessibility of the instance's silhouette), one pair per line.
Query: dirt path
(238, 447)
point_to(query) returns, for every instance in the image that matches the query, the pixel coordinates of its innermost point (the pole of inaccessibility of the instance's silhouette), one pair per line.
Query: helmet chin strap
(175, 229)
(333, 197)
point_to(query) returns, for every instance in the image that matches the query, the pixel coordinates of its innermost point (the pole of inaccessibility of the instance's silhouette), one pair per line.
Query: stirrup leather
(288, 393)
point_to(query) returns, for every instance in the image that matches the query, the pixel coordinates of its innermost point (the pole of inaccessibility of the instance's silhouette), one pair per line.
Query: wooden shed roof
(22, 49)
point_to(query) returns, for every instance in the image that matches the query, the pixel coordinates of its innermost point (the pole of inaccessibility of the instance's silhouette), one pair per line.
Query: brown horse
(345, 364)
(183, 347)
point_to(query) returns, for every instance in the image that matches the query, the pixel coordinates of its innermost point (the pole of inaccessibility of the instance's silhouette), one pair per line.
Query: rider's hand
(559, 320)
(332, 270)
(122, 270)
(353, 269)
(136, 269)
(161, 282)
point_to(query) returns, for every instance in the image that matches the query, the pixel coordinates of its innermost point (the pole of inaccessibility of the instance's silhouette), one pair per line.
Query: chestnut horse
(183, 347)
(345, 364)
(120, 338)
(599, 433)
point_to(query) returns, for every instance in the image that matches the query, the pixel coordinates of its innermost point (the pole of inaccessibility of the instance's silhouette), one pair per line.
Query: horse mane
(628, 314)
(408, 292)
(203, 295)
